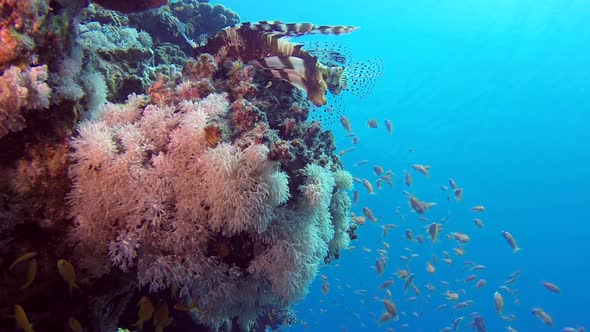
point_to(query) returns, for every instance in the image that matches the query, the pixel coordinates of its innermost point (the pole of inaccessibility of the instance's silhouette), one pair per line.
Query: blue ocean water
(494, 94)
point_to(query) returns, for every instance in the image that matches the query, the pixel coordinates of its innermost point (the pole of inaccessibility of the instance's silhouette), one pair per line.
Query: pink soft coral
(21, 90)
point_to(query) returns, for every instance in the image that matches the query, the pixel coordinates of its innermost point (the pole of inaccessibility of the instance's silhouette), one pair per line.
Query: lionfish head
(341, 74)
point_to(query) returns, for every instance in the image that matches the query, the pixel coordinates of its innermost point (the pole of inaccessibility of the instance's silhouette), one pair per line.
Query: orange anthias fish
(367, 184)
(510, 240)
(498, 302)
(386, 284)
(369, 214)
(433, 230)
(478, 223)
(389, 126)
(360, 220)
(379, 265)
(391, 309)
(421, 168)
(430, 268)
(453, 184)
(346, 124)
(378, 170)
(409, 234)
(419, 206)
(362, 162)
(551, 287)
(409, 279)
(478, 208)
(458, 193)
(408, 179)
(539, 312)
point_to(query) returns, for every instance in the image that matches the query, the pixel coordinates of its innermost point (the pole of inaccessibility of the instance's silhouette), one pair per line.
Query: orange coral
(212, 135)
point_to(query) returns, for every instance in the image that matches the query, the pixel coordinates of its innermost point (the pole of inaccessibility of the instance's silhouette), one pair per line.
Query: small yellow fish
(21, 319)
(67, 272)
(145, 312)
(21, 259)
(75, 325)
(183, 306)
(161, 318)
(31, 273)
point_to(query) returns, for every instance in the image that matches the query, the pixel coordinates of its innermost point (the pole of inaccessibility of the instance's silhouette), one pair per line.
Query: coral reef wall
(195, 200)
(196, 185)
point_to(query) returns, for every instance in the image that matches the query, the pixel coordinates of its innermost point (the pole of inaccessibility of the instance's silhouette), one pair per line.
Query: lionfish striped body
(266, 45)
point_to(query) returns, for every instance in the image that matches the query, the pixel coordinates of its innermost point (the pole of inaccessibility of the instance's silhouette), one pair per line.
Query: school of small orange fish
(412, 227)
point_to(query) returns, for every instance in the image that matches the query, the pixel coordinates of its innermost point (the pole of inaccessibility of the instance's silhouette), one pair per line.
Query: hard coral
(131, 6)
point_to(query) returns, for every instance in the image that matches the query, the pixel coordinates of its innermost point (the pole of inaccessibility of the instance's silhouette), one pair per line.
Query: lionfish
(266, 45)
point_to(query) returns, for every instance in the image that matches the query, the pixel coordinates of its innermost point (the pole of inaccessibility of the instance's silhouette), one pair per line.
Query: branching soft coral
(21, 90)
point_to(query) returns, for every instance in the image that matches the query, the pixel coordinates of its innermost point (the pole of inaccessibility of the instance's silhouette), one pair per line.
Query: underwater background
(495, 95)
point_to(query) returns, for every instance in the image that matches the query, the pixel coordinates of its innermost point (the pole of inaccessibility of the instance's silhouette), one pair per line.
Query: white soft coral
(242, 188)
